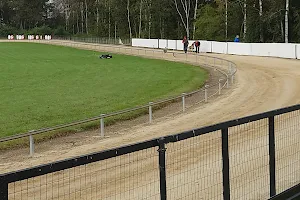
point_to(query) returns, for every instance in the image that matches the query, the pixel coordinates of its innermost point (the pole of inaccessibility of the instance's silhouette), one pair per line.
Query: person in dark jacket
(197, 45)
(185, 44)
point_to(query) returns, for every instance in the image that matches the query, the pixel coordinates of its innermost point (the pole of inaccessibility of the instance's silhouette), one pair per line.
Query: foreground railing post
(3, 188)
(102, 125)
(183, 102)
(225, 159)
(272, 157)
(205, 93)
(150, 112)
(162, 169)
(232, 76)
(220, 86)
(31, 145)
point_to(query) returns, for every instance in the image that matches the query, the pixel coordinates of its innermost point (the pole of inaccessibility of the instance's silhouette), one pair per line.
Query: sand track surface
(262, 84)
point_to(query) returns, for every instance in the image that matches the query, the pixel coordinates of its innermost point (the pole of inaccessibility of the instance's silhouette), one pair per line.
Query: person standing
(237, 38)
(185, 44)
(197, 44)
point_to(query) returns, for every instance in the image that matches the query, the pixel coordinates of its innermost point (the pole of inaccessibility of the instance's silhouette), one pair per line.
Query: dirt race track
(193, 166)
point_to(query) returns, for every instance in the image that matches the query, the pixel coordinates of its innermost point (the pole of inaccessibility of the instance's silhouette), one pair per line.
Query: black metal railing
(255, 157)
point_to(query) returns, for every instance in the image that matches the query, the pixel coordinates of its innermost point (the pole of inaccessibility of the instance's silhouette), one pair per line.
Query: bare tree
(195, 17)
(86, 18)
(260, 20)
(128, 18)
(286, 34)
(185, 16)
(245, 20)
(140, 24)
(226, 20)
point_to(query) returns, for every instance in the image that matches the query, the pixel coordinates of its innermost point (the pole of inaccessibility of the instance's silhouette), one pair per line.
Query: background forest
(222, 20)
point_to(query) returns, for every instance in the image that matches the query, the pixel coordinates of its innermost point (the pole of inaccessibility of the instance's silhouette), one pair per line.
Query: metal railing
(255, 157)
(226, 69)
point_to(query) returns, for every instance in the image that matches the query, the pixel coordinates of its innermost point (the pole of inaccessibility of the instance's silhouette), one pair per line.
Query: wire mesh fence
(287, 145)
(130, 176)
(255, 157)
(194, 168)
(249, 160)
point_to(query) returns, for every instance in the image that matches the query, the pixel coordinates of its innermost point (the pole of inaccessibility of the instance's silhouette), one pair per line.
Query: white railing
(225, 68)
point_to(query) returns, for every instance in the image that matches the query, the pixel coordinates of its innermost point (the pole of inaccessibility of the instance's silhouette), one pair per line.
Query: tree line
(222, 20)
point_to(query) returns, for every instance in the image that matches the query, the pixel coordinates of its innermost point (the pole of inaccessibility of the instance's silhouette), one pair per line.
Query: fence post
(31, 145)
(162, 169)
(225, 159)
(150, 112)
(227, 83)
(183, 102)
(205, 93)
(102, 125)
(3, 188)
(220, 86)
(272, 157)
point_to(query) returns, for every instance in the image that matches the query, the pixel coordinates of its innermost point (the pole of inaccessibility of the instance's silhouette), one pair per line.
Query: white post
(205, 93)
(183, 102)
(102, 125)
(232, 76)
(220, 86)
(150, 112)
(31, 143)
(227, 85)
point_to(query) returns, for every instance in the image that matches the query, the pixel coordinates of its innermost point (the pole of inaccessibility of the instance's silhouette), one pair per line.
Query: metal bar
(102, 125)
(205, 93)
(227, 85)
(225, 159)
(3, 188)
(272, 157)
(31, 144)
(183, 102)
(220, 86)
(289, 194)
(162, 169)
(150, 112)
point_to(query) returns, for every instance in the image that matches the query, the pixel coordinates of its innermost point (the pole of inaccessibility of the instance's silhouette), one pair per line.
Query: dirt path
(262, 84)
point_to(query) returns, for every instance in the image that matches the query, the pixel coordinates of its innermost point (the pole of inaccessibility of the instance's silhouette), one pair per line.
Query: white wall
(151, 43)
(162, 44)
(298, 51)
(219, 47)
(239, 48)
(172, 44)
(205, 46)
(280, 50)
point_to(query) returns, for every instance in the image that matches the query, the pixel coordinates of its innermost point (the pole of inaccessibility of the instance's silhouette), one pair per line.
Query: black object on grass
(106, 56)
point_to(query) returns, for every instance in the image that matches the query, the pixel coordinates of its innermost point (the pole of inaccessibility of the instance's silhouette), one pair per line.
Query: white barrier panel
(205, 46)
(280, 50)
(179, 45)
(219, 47)
(239, 48)
(8, 37)
(162, 43)
(151, 43)
(298, 51)
(172, 44)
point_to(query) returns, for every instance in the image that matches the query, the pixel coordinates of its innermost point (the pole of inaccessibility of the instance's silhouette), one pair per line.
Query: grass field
(43, 85)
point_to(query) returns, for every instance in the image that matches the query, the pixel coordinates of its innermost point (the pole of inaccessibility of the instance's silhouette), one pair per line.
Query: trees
(254, 20)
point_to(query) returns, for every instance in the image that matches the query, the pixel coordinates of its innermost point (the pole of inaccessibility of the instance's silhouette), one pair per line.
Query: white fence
(280, 50)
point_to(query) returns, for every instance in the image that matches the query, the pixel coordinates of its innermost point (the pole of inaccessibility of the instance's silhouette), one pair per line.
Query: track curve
(261, 84)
